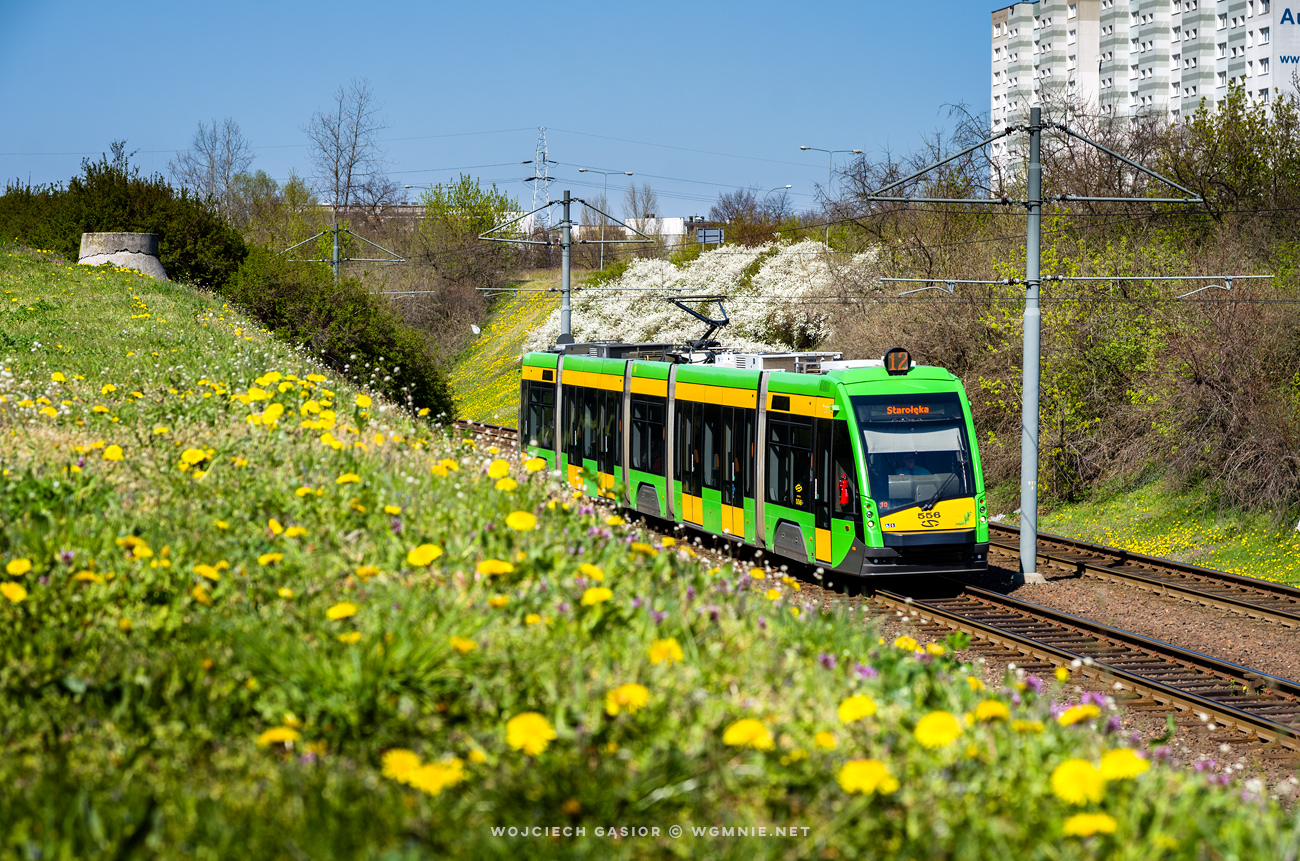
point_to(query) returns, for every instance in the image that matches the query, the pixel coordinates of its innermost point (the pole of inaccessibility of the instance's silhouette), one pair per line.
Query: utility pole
(605, 195)
(1032, 369)
(335, 260)
(830, 173)
(566, 331)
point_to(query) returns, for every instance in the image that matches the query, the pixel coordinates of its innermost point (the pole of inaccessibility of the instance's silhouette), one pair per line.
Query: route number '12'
(897, 361)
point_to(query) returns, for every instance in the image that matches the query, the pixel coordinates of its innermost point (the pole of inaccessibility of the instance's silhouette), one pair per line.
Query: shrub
(194, 244)
(345, 325)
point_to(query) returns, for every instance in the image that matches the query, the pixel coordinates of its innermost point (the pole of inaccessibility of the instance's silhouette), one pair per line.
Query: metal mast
(542, 182)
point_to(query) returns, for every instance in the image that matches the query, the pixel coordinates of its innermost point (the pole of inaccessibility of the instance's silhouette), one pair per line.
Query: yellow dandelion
(341, 611)
(529, 732)
(757, 573)
(866, 776)
(535, 464)
(200, 594)
(348, 478)
(208, 572)
(974, 683)
(58, 377)
(393, 509)
(270, 558)
(668, 541)
(112, 452)
(856, 707)
(596, 595)
(423, 555)
(826, 740)
(399, 764)
(278, 735)
(363, 401)
(1122, 764)
(285, 592)
(464, 645)
(592, 572)
(665, 651)
(1062, 675)
(13, 591)
(748, 732)
(275, 526)
(1088, 824)
(906, 643)
(506, 484)
(772, 594)
(644, 549)
(433, 778)
(1027, 727)
(521, 521)
(532, 619)
(18, 567)
(937, 729)
(990, 710)
(498, 469)
(295, 532)
(614, 520)
(1075, 714)
(1077, 781)
(631, 697)
(489, 567)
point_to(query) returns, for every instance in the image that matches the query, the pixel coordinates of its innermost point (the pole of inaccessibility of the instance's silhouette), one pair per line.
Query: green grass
(485, 377)
(227, 636)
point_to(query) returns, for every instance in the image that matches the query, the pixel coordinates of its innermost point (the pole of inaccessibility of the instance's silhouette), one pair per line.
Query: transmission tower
(541, 180)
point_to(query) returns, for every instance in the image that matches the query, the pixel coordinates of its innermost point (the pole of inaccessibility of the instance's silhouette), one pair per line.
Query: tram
(865, 468)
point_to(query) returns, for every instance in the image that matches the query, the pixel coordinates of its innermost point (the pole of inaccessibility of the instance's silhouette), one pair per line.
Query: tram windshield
(916, 447)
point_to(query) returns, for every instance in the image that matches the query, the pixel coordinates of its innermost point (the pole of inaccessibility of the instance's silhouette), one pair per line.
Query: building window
(1133, 71)
(1263, 66)
(1250, 68)
(1263, 36)
(1071, 37)
(1190, 35)
(1263, 95)
(1223, 22)
(1223, 79)
(1071, 11)
(1176, 34)
(1223, 49)
(1263, 7)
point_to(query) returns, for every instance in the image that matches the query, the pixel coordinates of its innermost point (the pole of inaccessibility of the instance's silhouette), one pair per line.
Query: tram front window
(917, 451)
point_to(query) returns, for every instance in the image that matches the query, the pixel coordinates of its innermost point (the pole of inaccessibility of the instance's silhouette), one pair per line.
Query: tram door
(609, 454)
(688, 461)
(823, 488)
(738, 466)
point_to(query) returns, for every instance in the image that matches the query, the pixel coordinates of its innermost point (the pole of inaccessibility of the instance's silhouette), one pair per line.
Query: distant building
(1128, 58)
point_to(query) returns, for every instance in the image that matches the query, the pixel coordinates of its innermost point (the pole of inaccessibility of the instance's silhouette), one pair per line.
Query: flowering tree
(780, 297)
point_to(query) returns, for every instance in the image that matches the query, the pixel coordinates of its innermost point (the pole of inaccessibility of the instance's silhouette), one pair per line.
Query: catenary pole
(1033, 359)
(566, 335)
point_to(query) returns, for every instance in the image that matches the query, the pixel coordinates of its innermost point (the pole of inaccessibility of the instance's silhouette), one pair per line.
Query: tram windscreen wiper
(929, 503)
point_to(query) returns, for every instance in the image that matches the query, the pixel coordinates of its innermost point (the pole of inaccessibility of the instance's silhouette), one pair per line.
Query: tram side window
(648, 434)
(572, 429)
(611, 441)
(844, 479)
(540, 420)
(789, 463)
(711, 443)
(591, 399)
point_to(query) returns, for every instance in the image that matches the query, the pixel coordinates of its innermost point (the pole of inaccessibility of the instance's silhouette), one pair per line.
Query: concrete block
(138, 251)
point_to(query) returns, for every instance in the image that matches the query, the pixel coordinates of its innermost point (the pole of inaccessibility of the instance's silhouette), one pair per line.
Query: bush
(194, 244)
(345, 325)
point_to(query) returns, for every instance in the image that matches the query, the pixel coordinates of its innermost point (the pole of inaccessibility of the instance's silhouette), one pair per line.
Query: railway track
(1147, 673)
(1258, 599)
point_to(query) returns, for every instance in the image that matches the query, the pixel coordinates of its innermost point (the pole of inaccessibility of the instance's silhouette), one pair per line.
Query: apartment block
(1129, 58)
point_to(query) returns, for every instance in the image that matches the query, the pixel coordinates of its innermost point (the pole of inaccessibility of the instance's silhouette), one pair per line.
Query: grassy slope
(158, 622)
(485, 378)
(1186, 526)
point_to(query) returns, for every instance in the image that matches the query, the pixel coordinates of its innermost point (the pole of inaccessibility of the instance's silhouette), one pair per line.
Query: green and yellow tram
(864, 468)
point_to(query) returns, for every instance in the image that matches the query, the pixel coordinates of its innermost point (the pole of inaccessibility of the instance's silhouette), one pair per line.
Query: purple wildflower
(863, 671)
(690, 593)
(762, 623)
(827, 660)
(1034, 683)
(562, 607)
(1204, 765)
(67, 556)
(713, 612)
(1093, 698)
(1113, 725)
(658, 616)
(397, 525)
(637, 602)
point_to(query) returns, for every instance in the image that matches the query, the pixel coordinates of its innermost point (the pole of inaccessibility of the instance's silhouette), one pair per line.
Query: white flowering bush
(780, 297)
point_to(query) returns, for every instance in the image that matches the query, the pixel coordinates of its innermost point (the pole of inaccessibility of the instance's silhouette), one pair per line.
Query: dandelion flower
(1075, 714)
(974, 683)
(275, 526)
(529, 732)
(992, 710)
(757, 573)
(668, 541)
(905, 643)
(1088, 824)
(341, 611)
(937, 729)
(201, 595)
(363, 401)
(496, 602)
(193, 456)
(825, 739)
(1062, 675)
(348, 478)
(208, 572)
(107, 389)
(1122, 764)
(772, 594)
(666, 650)
(856, 707)
(644, 549)
(464, 645)
(748, 732)
(433, 778)
(285, 592)
(498, 469)
(13, 591)
(295, 532)
(630, 696)
(1027, 727)
(393, 509)
(489, 567)
(521, 521)
(586, 569)
(532, 619)
(1077, 781)
(535, 464)
(18, 567)
(596, 595)
(112, 452)
(423, 555)
(58, 377)
(278, 735)
(270, 558)
(399, 764)
(614, 520)
(506, 484)
(866, 776)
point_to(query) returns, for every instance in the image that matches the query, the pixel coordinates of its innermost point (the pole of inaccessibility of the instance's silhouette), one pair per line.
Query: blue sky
(693, 98)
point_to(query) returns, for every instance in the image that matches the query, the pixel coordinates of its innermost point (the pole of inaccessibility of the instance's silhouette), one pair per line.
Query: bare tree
(217, 155)
(345, 149)
(640, 202)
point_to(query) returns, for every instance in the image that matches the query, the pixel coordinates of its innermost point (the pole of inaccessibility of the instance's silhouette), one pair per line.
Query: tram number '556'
(929, 519)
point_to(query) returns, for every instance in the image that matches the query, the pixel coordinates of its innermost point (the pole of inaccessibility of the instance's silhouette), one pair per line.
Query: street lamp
(830, 166)
(605, 195)
(782, 188)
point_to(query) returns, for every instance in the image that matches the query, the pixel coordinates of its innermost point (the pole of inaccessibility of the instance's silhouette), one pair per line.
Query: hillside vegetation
(247, 609)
